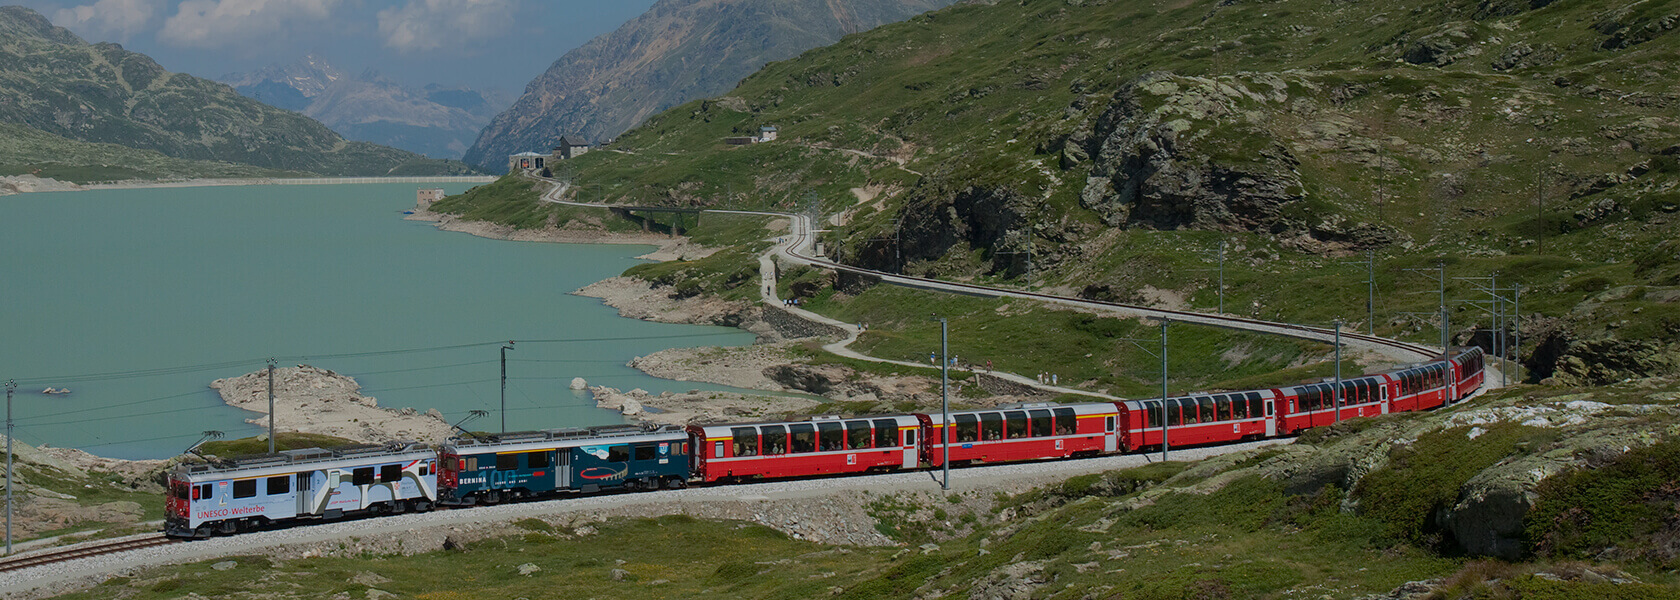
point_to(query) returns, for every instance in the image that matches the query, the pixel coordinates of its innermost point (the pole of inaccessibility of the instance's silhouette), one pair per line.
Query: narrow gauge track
(82, 551)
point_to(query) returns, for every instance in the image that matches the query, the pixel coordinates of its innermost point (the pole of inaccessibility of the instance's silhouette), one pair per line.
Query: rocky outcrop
(679, 50)
(823, 380)
(314, 400)
(1177, 152)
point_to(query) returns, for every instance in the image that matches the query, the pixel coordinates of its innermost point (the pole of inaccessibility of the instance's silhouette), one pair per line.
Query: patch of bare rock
(313, 400)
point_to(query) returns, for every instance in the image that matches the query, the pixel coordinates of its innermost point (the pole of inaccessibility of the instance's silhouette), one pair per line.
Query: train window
(1152, 414)
(1306, 396)
(775, 439)
(1208, 414)
(303, 482)
(1174, 413)
(472, 464)
(886, 433)
(831, 436)
(534, 460)
(204, 492)
(804, 437)
(245, 488)
(857, 434)
(717, 449)
(991, 426)
(1016, 424)
(1254, 404)
(645, 452)
(746, 441)
(618, 454)
(909, 437)
(968, 428)
(1041, 423)
(1239, 407)
(507, 461)
(178, 490)
(362, 476)
(1066, 421)
(1224, 407)
(424, 471)
(1108, 424)
(390, 473)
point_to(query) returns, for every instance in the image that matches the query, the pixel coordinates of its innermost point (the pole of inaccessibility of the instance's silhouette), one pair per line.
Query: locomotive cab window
(646, 452)
(279, 485)
(618, 454)
(204, 492)
(245, 488)
(390, 474)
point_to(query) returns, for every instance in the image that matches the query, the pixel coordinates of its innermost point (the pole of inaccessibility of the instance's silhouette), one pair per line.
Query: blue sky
(481, 43)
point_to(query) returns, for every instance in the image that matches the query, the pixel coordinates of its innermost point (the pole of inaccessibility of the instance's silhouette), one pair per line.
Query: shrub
(1627, 503)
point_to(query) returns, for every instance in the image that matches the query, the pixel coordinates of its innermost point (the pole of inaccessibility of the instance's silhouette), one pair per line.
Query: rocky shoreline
(313, 400)
(669, 248)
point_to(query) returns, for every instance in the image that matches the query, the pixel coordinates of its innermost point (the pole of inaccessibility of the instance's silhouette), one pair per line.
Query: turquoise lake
(137, 299)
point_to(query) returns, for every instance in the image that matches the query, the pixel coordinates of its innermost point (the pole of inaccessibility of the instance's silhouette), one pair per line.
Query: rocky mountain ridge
(435, 120)
(52, 81)
(679, 50)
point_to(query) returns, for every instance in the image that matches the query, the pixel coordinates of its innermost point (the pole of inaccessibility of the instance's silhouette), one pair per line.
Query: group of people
(1049, 378)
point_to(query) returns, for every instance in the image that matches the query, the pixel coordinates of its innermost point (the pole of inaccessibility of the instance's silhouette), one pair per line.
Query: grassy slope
(28, 151)
(1214, 529)
(980, 95)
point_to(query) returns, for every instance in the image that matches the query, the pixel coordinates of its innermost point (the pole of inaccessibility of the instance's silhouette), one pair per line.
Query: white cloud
(223, 23)
(119, 18)
(431, 24)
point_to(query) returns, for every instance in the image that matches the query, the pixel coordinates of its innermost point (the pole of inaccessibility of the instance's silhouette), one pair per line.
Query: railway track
(16, 563)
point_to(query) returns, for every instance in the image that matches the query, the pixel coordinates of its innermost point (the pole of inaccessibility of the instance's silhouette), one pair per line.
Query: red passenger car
(1314, 404)
(1421, 387)
(1201, 419)
(1467, 372)
(820, 446)
(1021, 432)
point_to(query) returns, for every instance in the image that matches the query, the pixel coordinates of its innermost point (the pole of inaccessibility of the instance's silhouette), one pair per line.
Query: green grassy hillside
(1124, 141)
(25, 151)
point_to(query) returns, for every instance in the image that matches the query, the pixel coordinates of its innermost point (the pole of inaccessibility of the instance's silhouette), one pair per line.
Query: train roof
(1138, 403)
(1088, 408)
(812, 420)
(519, 441)
(306, 459)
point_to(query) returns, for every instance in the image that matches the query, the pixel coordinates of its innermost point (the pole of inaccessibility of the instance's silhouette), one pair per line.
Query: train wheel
(676, 483)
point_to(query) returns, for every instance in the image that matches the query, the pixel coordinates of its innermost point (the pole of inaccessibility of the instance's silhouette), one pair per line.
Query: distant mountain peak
(309, 76)
(19, 21)
(677, 51)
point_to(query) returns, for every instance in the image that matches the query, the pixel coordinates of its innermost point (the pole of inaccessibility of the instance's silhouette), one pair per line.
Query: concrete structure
(526, 161)
(424, 198)
(570, 147)
(740, 141)
(767, 133)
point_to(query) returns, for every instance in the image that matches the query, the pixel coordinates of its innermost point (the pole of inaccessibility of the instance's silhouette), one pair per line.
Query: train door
(305, 493)
(1382, 394)
(563, 469)
(911, 459)
(1110, 440)
(1271, 417)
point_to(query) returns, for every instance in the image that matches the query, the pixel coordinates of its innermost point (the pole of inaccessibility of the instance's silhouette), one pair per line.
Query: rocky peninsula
(314, 400)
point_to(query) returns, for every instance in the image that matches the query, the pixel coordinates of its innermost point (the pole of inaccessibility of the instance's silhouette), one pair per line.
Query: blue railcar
(497, 468)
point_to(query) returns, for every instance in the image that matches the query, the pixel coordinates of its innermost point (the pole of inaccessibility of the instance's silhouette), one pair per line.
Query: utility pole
(271, 406)
(1441, 268)
(505, 347)
(945, 401)
(11, 386)
(1222, 277)
(1164, 389)
(1337, 393)
(1540, 211)
(1516, 346)
(1371, 291)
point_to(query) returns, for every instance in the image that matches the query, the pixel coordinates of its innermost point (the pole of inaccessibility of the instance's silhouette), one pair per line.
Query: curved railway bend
(58, 570)
(428, 530)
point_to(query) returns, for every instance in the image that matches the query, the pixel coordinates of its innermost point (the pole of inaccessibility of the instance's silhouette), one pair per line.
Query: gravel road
(827, 510)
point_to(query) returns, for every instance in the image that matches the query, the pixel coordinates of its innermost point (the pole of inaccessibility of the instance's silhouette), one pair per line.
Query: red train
(833, 445)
